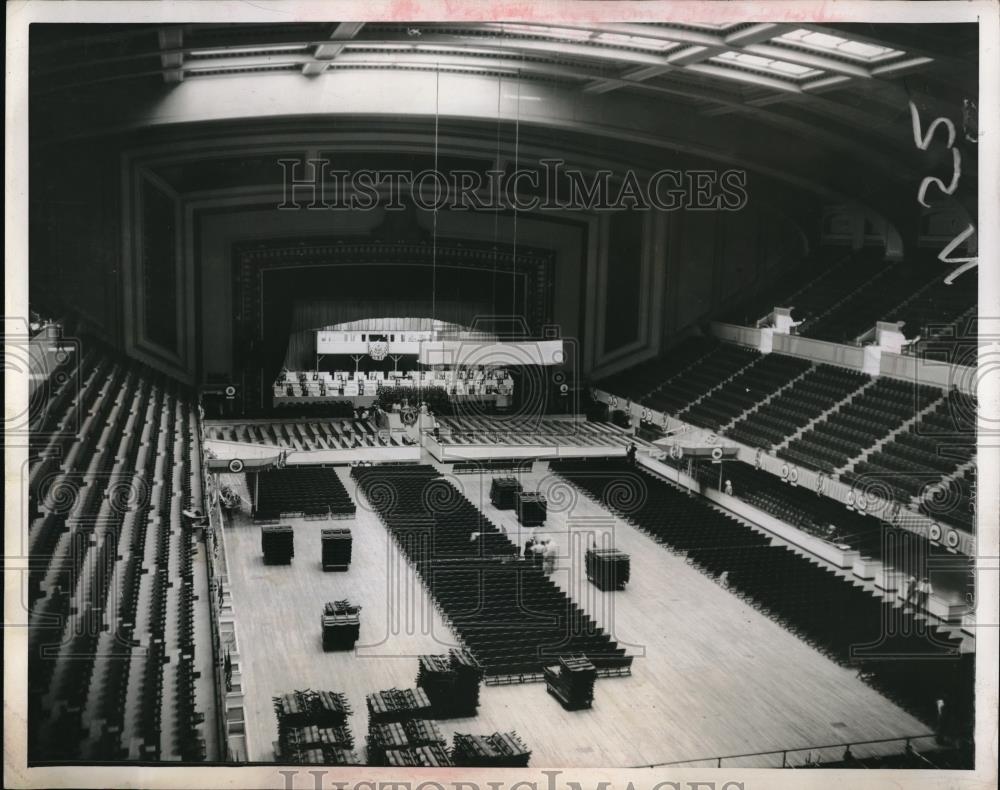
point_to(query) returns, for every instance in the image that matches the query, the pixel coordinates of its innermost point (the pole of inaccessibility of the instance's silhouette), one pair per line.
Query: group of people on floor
(542, 552)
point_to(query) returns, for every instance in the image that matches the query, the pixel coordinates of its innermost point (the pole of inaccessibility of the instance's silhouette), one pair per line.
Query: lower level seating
(744, 390)
(816, 392)
(311, 490)
(861, 422)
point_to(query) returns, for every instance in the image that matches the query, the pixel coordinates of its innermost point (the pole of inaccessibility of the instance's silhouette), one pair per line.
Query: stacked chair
(341, 625)
(532, 508)
(398, 705)
(277, 542)
(451, 683)
(499, 750)
(571, 682)
(503, 491)
(312, 728)
(396, 743)
(608, 569)
(336, 549)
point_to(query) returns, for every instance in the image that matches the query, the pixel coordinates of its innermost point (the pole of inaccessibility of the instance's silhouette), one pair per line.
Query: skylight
(636, 42)
(837, 45)
(780, 68)
(544, 31)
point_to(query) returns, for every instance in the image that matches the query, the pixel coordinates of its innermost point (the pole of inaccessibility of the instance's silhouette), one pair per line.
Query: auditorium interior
(334, 462)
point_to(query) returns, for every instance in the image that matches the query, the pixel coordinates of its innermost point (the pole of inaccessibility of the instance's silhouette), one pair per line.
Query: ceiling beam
(324, 53)
(171, 40)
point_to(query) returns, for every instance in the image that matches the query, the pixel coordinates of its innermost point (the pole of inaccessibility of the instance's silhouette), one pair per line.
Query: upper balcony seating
(312, 490)
(932, 311)
(506, 611)
(805, 400)
(690, 384)
(835, 615)
(639, 380)
(860, 423)
(743, 391)
(856, 314)
(824, 292)
(115, 467)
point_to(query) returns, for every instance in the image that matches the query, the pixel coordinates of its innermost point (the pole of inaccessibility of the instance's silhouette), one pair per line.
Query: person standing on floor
(924, 591)
(550, 556)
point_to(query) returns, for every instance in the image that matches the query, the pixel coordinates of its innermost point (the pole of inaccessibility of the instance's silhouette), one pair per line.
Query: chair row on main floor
(506, 611)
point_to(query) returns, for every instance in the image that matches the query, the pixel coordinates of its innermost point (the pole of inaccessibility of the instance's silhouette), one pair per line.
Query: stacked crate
(571, 681)
(608, 569)
(451, 682)
(336, 545)
(277, 542)
(499, 750)
(503, 492)
(341, 625)
(531, 508)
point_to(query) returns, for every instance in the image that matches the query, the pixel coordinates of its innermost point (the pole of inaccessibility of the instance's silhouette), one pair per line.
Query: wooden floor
(711, 677)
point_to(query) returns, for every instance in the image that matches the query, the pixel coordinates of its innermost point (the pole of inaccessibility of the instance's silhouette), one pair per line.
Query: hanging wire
(496, 209)
(517, 142)
(437, 117)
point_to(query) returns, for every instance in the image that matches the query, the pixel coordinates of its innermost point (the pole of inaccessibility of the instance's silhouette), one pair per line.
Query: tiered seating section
(806, 399)
(872, 299)
(833, 614)
(506, 611)
(639, 380)
(843, 301)
(758, 381)
(471, 381)
(919, 457)
(811, 304)
(714, 368)
(112, 656)
(306, 435)
(844, 433)
(302, 490)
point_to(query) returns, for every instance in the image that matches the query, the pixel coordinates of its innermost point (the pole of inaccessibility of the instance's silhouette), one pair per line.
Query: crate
(504, 491)
(571, 682)
(608, 569)
(277, 542)
(532, 508)
(336, 549)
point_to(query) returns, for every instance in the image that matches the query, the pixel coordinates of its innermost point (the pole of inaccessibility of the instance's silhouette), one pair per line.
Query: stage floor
(712, 676)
